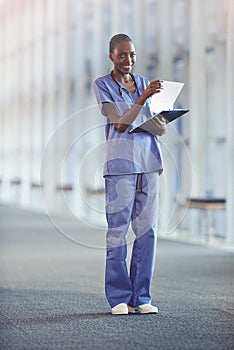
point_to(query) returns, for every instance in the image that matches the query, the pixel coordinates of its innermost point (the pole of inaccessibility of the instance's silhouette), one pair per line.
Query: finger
(158, 83)
(155, 122)
(154, 89)
(159, 121)
(162, 119)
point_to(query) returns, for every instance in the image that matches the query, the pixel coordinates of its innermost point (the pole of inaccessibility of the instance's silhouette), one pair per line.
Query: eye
(122, 55)
(133, 55)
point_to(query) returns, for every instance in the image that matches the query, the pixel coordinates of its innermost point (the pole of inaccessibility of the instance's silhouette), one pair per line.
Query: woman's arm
(122, 122)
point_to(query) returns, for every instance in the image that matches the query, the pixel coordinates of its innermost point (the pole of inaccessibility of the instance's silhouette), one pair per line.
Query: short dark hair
(118, 38)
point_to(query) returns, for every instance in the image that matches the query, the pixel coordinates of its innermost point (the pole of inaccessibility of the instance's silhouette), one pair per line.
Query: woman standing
(133, 164)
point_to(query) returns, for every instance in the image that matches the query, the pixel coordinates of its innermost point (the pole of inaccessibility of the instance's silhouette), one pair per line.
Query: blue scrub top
(127, 153)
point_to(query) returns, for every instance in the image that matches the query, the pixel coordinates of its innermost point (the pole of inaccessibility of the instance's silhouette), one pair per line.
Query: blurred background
(51, 132)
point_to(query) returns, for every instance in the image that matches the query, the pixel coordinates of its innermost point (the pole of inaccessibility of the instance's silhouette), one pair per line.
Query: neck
(123, 78)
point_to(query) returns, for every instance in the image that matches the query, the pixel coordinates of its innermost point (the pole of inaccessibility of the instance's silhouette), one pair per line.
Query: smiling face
(123, 57)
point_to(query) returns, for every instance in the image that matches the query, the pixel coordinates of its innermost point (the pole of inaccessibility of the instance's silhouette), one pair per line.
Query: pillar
(230, 121)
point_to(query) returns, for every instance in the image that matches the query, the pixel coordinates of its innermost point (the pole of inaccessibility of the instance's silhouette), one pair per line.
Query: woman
(133, 164)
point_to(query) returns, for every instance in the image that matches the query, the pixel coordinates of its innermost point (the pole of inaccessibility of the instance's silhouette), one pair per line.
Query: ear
(111, 56)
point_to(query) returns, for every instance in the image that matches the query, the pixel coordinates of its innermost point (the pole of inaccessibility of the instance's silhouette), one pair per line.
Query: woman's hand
(153, 88)
(159, 124)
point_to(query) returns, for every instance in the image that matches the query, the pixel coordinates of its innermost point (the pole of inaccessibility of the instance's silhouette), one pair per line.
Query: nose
(128, 59)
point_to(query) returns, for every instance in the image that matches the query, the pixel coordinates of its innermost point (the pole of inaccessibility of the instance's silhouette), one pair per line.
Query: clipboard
(172, 114)
(168, 115)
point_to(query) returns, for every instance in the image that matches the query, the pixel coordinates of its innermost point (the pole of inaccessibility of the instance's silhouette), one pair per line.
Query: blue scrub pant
(130, 198)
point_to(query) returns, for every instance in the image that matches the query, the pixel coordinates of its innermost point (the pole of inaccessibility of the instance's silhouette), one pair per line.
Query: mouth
(127, 67)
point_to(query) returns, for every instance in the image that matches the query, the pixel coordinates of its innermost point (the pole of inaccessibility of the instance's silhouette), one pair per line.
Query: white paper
(165, 99)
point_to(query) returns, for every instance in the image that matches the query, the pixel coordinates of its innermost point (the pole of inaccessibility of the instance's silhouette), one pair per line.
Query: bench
(205, 205)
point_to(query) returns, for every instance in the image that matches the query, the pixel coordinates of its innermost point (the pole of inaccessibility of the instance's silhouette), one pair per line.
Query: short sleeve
(101, 92)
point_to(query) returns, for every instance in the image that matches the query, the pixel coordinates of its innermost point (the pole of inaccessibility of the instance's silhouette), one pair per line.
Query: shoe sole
(147, 312)
(131, 310)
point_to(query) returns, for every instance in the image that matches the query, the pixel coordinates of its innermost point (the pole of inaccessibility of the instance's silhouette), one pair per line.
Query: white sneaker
(147, 309)
(143, 309)
(120, 309)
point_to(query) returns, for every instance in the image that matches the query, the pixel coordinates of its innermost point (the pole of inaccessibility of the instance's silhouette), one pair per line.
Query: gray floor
(52, 293)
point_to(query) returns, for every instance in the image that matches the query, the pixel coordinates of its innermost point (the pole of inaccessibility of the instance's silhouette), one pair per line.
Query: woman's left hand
(159, 124)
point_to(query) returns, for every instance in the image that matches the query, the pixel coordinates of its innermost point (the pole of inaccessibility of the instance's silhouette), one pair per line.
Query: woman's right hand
(153, 88)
